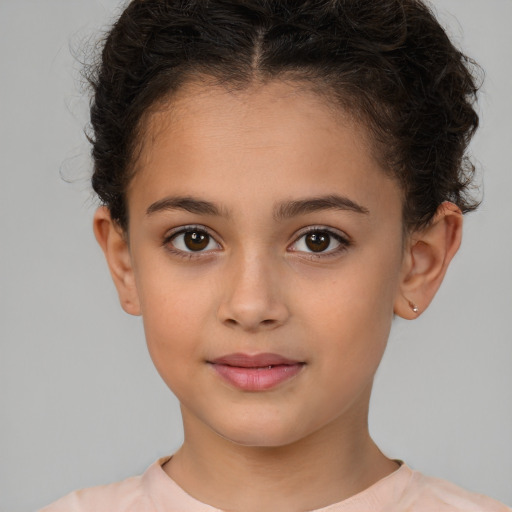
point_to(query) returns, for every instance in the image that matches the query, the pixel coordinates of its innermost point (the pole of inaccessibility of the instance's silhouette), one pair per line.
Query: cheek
(351, 343)
(352, 333)
(351, 315)
(174, 314)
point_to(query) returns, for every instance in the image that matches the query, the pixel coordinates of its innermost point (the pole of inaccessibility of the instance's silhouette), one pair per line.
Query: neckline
(164, 490)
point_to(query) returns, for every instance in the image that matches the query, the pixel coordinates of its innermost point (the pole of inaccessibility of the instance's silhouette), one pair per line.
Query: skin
(258, 288)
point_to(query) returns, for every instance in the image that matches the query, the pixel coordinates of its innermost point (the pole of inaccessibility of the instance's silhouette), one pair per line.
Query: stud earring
(413, 307)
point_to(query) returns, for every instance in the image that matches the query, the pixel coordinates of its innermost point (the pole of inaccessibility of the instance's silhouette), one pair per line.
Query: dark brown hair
(388, 62)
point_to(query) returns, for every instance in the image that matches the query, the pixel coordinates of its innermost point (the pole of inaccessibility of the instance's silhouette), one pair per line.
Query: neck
(326, 467)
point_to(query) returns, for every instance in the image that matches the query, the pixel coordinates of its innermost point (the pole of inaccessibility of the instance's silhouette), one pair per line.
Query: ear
(112, 240)
(426, 259)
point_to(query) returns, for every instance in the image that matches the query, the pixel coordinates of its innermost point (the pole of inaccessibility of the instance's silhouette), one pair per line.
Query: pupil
(318, 242)
(196, 241)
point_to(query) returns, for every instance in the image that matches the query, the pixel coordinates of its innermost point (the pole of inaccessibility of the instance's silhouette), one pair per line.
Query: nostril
(231, 322)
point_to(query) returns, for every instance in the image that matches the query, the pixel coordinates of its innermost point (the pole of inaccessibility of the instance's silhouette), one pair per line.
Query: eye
(320, 241)
(192, 240)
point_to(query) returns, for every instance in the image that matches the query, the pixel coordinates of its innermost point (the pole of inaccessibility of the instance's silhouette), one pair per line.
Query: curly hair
(389, 63)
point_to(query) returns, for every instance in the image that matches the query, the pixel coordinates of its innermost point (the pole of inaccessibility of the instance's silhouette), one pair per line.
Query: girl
(279, 179)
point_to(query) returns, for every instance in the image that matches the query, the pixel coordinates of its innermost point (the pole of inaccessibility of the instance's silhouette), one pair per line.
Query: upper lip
(254, 361)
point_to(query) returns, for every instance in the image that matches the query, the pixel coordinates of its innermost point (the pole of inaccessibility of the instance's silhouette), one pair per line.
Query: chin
(257, 435)
(257, 440)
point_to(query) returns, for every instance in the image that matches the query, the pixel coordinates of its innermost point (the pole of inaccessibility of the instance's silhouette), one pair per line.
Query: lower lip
(257, 379)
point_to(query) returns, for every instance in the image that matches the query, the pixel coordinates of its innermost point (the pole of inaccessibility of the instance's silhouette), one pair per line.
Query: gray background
(80, 402)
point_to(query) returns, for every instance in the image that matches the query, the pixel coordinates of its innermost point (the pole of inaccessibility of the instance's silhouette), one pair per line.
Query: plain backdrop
(80, 402)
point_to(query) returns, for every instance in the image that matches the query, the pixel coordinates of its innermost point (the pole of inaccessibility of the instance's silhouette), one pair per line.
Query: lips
(258, 372)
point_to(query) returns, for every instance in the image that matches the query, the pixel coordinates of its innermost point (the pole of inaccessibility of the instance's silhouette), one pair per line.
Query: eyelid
(189, 227)
(320, 227)
(340, 236)
(173, 233)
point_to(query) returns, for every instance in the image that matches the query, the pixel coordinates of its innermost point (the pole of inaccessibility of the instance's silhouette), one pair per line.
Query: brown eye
(318, 241)
(196, 240)
(193, 240)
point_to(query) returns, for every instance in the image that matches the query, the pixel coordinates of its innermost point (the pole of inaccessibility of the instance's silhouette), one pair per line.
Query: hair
(388, 63)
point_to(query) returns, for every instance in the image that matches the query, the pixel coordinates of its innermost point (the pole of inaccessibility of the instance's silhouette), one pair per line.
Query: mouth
(258, 372)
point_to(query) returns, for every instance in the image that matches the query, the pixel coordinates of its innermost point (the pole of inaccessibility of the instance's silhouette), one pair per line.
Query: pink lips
(256, 373)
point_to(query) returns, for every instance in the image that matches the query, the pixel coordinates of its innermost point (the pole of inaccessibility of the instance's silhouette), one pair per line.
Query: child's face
(227, 189)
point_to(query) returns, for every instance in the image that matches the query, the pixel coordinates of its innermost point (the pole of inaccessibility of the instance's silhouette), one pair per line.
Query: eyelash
(167, 242)
(343, 242)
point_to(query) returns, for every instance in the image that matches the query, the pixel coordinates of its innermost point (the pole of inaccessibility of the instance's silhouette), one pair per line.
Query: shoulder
(127, 495)
(153, 491)
(116, 497)
(424, 493)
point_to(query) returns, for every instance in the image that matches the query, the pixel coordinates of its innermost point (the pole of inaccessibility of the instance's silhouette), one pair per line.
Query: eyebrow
(315, 204)
(189, 204)
(282, 211)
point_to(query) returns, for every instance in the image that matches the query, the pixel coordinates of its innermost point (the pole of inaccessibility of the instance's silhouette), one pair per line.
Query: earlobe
(112, 240)
(428, 255)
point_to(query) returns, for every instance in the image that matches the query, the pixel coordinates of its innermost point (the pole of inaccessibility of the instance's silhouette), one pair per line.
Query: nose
(252, 298)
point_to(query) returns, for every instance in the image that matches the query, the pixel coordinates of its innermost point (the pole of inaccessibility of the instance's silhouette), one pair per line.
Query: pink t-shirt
(404, 490)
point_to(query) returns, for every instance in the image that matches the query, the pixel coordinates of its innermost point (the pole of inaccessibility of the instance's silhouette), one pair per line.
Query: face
(266, 247)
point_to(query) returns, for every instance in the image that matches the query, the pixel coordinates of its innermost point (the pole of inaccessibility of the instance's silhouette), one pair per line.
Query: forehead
(279, 138)
(209, 111)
